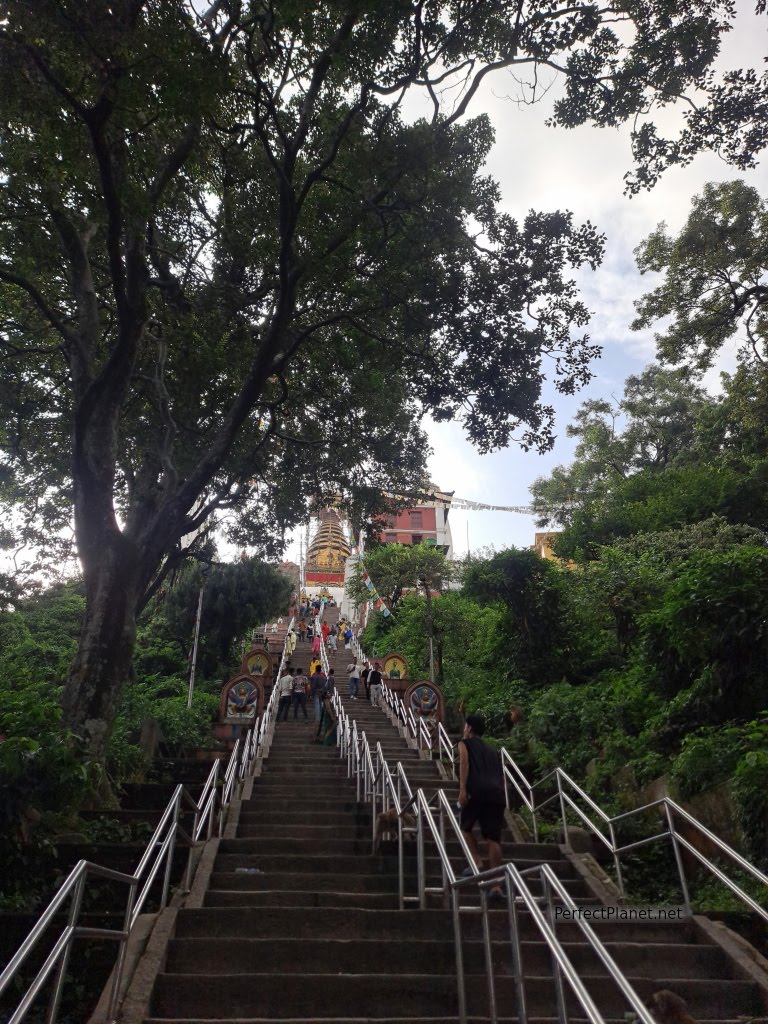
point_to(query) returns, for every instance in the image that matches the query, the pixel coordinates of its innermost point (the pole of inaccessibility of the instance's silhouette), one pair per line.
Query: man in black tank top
(481, 792)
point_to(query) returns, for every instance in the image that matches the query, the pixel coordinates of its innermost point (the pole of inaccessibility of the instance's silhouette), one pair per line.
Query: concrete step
(332, 995)
(255, 872)
(271, 813)
(299, 804)
(216, 899)
(298, 843)
(364, 923)
(301, 880)
(151, 795)
(386, 956)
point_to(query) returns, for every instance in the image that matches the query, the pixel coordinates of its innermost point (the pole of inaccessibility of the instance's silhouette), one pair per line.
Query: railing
(445, 746)
(425, 739)
(516, 894)
(375, 783)
(566, 789)
(158, 854)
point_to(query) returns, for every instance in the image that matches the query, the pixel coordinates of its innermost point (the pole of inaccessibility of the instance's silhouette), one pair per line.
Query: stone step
(328, 996)
(304, 784)
(297, 805)
(151, 795)
(272, 813)
(216, 899)
(360, 922)
(252, 871)
(385, 956)
(332, 844)
(301, 880)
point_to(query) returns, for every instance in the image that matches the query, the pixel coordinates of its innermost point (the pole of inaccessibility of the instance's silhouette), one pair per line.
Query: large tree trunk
(103, 660)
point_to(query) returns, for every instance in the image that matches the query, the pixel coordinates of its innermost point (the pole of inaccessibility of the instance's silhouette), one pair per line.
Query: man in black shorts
(481, 793)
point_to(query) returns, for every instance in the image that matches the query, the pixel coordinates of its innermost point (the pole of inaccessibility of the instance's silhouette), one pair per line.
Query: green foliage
(707, 758)
(396, 568)
(536, 628)
(750, 790)
(713, 619)
(650, 429)
(712, 271)
(237, 596)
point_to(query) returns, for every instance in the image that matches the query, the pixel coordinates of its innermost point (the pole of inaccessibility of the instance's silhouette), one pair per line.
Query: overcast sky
(581, 170)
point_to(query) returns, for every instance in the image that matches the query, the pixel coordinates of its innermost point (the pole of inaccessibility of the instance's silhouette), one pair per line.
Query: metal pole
(431, 660)
(120, 965)
(517, 950)
(459, 958)
(74, 913)
(562, 1008)
(197, 637)
(492, 1011)
(420, 862)
(678, 858)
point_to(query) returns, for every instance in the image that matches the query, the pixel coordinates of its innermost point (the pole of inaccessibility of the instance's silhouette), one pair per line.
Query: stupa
(328, 551)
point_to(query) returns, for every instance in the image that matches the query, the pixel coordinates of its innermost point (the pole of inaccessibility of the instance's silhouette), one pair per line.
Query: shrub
(707, 758)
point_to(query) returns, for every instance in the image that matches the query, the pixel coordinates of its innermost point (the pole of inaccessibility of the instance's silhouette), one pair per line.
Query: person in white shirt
(285, 694)
(354, 669)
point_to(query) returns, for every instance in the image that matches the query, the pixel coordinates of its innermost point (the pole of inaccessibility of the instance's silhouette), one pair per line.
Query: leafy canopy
(715, 282)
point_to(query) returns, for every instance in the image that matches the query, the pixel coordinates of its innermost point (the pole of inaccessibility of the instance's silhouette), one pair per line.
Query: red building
(424, 522)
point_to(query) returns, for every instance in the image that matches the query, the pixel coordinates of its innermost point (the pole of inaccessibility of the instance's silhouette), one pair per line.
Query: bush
(707, 758)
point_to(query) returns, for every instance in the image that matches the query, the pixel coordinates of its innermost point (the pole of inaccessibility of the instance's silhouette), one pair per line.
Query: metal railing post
(420, 862)
(678, 857)
(562, 1010)
(492, 1011)
(460, 980)
(74, 911)
(616, 858)
(169, 854)
(442, 864)
(517, 949)
(120, 965)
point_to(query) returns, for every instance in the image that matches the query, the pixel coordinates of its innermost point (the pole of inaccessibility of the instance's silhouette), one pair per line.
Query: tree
(652, 427)
(396, 568)
(237, 597)
(218, 232)
(538, 639)
(715, 277)
(652, 502)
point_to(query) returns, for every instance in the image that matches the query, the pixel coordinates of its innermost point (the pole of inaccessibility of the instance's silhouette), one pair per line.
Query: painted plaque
(242, 699)
(395, 666)
(425, 700)
(257, 662)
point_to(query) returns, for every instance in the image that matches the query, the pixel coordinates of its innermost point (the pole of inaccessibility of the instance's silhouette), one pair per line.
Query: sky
(581, 170)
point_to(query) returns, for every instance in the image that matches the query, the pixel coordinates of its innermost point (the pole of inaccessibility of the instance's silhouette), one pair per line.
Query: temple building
(328, 552)
(426, 521)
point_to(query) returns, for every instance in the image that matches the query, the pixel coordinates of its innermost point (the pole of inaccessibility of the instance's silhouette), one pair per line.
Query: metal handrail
(445, 744)
(374, 781)
(516, 891)
(565, 785)
(74, 885)
(425, 735)
(159, 851)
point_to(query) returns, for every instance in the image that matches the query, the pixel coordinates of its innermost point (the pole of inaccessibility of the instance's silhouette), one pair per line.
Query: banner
(373, 595)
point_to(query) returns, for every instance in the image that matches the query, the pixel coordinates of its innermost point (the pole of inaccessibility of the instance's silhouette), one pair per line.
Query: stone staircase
(300, 924)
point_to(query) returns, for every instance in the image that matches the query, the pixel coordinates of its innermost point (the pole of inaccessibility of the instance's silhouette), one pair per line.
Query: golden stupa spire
(328, 551)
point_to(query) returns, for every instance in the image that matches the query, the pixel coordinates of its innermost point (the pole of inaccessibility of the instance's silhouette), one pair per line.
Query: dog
(386, 824)
(669, 1009)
